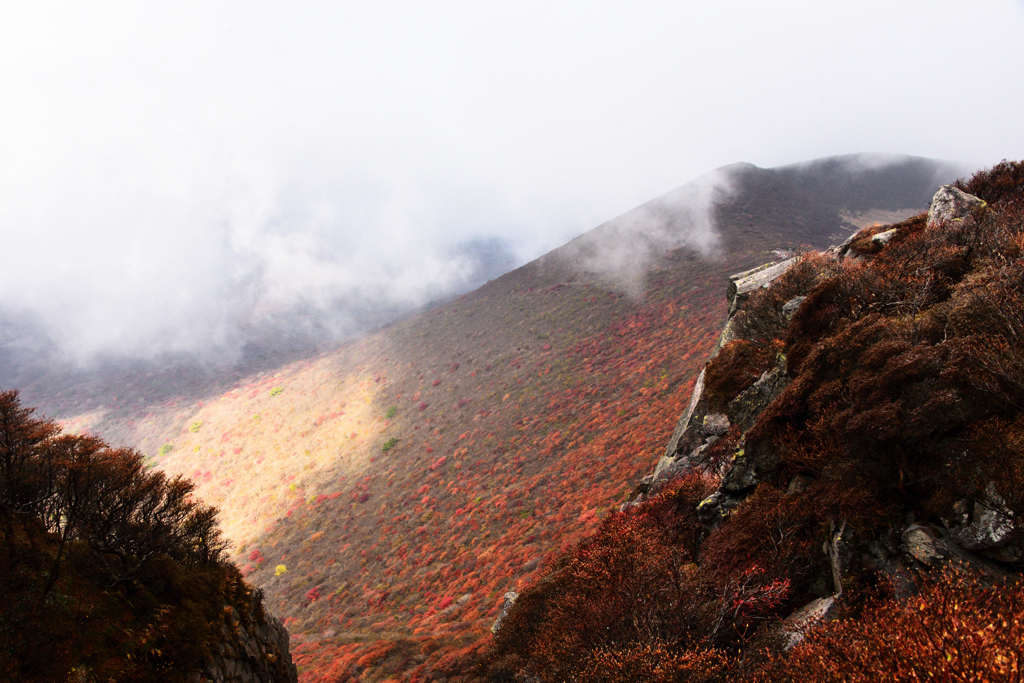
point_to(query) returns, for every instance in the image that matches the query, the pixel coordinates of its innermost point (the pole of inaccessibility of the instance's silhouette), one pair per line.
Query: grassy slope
(524, 411)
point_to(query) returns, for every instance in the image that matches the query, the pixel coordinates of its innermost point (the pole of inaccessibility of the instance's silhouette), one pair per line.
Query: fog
(173, 178)
(622, 250)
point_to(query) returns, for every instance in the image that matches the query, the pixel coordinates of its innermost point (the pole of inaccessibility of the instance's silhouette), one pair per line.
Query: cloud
(174, 177)
(622, 250)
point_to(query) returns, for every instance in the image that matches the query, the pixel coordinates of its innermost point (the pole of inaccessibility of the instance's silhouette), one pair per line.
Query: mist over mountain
(387, 490)
(810, 203)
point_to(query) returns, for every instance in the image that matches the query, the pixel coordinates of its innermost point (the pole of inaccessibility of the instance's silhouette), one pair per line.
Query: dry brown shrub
(761, 319)
(632, 584)
(740, 363)
(961, 627)
(777, 533)
(1000, 184)
(655, 663)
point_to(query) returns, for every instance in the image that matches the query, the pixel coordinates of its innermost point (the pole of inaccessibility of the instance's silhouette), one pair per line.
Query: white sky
(169, 171)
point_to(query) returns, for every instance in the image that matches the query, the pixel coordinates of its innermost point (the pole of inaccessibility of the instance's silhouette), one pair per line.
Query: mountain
(840, 500)
(387, 494)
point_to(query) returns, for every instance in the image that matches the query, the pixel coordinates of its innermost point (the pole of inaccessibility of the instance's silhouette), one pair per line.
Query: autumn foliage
(905, 401)
(387, 495)
(109, 571)
(627, 603)
(961, 627)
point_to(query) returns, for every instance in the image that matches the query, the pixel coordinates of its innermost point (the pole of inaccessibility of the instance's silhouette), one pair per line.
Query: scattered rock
(713, 510)
(839, 252)
(797, 625)
(741, 284)
(789, 308)
(716, 424)
(883, 238)
(752, 464)
(951, 204)
(986, 526)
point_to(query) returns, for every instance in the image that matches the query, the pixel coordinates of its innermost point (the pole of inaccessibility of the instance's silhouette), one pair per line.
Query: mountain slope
(842, 500)
(387, 494)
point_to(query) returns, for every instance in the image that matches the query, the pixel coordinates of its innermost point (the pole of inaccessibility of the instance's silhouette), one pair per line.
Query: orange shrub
(961, 627)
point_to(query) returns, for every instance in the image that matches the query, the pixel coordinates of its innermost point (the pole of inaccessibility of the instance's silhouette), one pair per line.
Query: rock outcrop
(253, 649)
(980, 531)
(510, 599)
(742, 284)
(697, 430)
(950, 204)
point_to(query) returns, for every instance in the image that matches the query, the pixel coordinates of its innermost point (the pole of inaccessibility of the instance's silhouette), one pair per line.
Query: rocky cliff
(979, 530)
(840, 500)
(252, 648)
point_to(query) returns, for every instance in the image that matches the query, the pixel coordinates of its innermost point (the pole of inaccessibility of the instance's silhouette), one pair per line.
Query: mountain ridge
(833, 504)
(528, 409)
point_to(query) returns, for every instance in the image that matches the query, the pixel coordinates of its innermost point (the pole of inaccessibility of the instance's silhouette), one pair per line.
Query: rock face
(253, 649)
(696, 430)
(796, 626)
(790, 308)
(745, 408)
(926, 545)
(742, 284)
(985, 526)
(510, 599)
(951, 204)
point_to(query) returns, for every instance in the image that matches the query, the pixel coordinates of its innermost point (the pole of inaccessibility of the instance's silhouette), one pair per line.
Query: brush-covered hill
(387, 494)
(841, 499)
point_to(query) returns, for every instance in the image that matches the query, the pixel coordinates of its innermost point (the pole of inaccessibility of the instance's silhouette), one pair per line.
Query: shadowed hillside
(388, 493)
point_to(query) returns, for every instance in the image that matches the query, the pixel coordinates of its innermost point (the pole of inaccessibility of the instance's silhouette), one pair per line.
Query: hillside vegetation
(110, 571)
(387, 494)
(862, 470)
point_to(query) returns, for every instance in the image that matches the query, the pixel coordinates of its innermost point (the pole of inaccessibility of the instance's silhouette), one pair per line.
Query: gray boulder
(985, 526)
(951, 205)
(713, 510)
(716, 424)
(789, 308)
(926, 545)
(752, 464)
(883, 238)
(741, 284)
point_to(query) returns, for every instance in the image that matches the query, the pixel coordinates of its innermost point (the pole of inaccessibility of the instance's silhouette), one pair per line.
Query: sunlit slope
(277, 441)
(406, 481)
(388, 493)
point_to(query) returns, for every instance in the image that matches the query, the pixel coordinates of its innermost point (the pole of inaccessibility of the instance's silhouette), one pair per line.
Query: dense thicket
(109, 571)
(905, 403)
